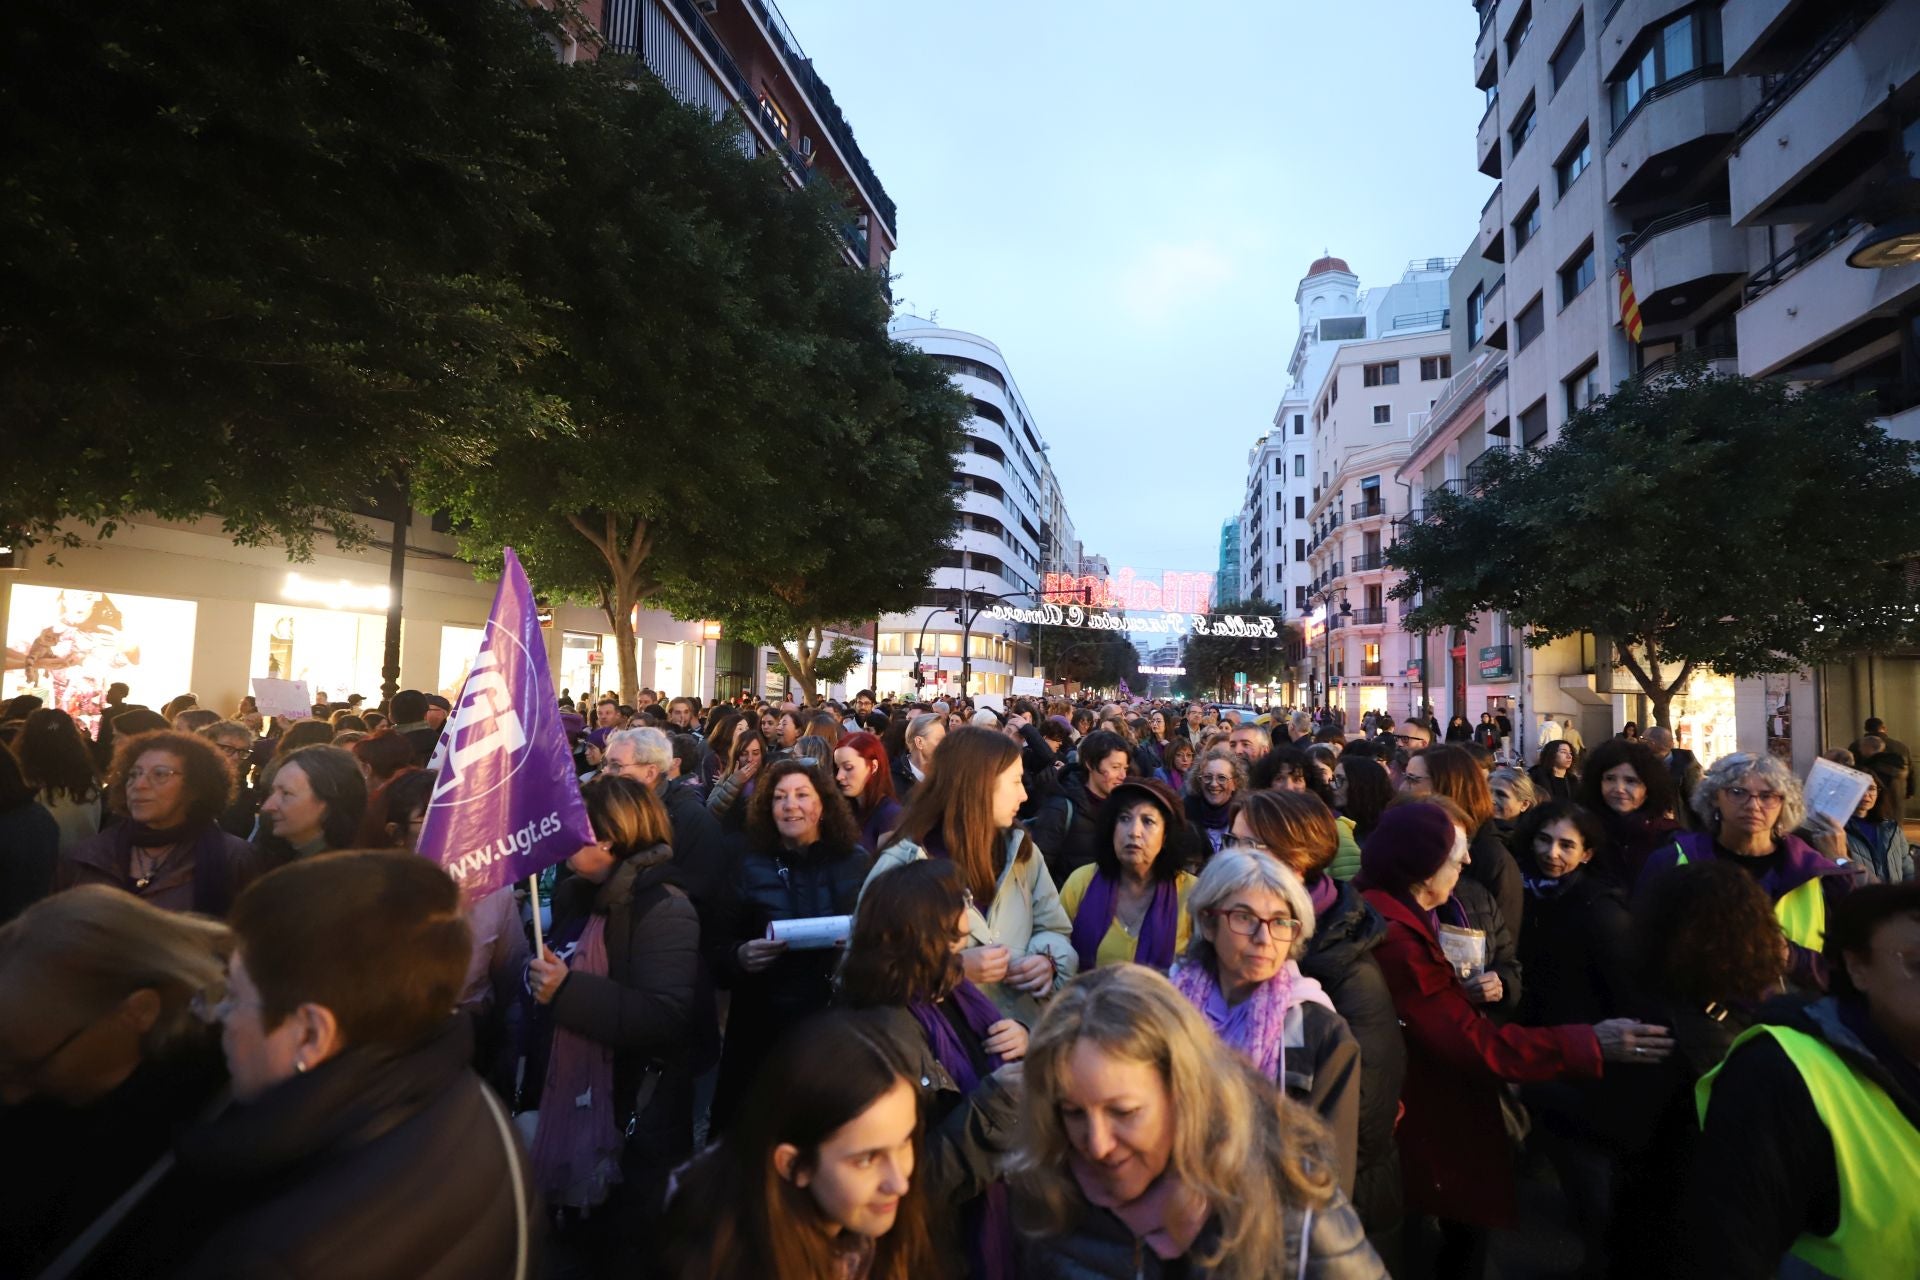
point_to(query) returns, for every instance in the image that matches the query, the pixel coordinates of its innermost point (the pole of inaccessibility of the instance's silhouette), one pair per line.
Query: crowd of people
(891, 988)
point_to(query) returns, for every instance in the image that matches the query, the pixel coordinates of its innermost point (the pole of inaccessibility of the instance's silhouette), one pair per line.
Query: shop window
(76, 643)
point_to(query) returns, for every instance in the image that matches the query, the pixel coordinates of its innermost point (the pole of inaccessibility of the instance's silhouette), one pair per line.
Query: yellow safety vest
(1801, 910)
(1876, 1153)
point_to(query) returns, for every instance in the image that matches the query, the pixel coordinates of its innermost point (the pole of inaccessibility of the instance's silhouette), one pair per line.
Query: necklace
(154, 861)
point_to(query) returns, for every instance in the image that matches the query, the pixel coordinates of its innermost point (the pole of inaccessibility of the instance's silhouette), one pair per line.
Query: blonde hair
(93, 946)
(1237, 1140)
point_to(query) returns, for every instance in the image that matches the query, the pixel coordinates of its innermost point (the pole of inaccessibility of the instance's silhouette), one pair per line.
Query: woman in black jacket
(1552, 774)
(804, 862)
(621, 973)
(903, 964)
(1575, 940)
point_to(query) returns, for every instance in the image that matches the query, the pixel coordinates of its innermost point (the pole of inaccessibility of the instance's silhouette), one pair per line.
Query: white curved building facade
(1013, 528)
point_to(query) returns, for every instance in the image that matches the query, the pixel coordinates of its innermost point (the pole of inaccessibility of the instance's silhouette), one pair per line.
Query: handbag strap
(505, 1129)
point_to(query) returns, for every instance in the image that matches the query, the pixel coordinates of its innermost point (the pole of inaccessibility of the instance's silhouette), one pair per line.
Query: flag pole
(533, 888)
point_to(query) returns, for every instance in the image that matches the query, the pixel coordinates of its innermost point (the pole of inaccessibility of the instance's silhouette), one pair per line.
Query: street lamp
(1325, 598)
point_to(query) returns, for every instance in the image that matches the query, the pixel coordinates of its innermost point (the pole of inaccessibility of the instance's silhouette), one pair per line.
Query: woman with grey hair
(815, 749)
(1252, 918)
(1513, 794)
(1216, 780)
(1749, 806)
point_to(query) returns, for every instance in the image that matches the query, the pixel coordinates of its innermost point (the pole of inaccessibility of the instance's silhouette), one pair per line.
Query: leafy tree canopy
(1695, 521)
(1211, 661)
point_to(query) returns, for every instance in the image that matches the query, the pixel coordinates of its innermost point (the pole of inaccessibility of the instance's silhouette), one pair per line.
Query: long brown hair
(1459, 777)
(1296, 826)
(901, 951)
(735, 1216)
(957, 797)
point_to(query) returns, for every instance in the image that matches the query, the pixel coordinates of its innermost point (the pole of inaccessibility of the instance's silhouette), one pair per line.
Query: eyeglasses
(238, 753)
(159, 775)
(1252, 843)
(1216, 780)
(1765, 799)
(1248, 925)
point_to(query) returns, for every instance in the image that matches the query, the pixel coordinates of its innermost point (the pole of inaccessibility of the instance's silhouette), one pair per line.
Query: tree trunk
(1652, 680)
(626, 555)
(619, 604)
(798, 663)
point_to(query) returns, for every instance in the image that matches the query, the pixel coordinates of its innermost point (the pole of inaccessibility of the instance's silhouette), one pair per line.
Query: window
(1382, 375)
(1382, 413)
(1583, 388)
(1577, 274)
(1333, 396)
(1561, 65)
(1299, 424)
(1519, 29)
(1299, 507)
(1278, 469)
(1533, 425)
(1433, 368)
(1572, 162)
(1527, 225)
(1300, 464)
(1370, 659)
(1682, 45)
(1299, 549)
(1522, 127)
(1529, 324)
(1476, 314)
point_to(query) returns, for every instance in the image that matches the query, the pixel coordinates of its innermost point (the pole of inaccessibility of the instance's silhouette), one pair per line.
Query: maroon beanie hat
(1407, 845)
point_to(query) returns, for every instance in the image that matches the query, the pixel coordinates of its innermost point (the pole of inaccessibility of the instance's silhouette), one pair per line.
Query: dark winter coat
(701, 850)
(1476, 908)
(1456, 1160)
(382, 1164)
(653, 1008)
(1067, 827)
(1576, 949)
(1491, 864)
(788, 885)
(29, 853)
(1764, 1139)
(903, 780)
(182, 884)
(1098, 1246)
(1340, 958)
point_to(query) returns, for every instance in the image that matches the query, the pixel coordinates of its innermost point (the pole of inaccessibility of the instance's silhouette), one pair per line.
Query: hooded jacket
(1067, 827)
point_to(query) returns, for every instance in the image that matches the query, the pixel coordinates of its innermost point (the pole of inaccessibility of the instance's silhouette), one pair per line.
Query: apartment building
(1226, 580)
(1750, 165)
(741, 56)
(1014, 528)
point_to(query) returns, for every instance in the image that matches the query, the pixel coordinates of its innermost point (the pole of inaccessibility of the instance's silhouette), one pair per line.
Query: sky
(1123, 196)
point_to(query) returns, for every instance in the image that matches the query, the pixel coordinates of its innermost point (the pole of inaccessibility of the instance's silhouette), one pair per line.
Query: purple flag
(505, 801)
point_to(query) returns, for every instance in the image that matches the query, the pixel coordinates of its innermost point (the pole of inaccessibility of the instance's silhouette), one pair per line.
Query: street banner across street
(505, 802)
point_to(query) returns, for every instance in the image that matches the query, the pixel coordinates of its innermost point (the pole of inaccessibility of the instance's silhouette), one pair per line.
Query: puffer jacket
(1340, 958)
(1322, 1244)
(1025, 917)
(820, 880)
(1067, 827)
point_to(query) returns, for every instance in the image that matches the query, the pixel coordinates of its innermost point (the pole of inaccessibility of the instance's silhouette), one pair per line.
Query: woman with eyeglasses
(170, 850)
(1456, 1156)
(1299, 831)
(101, 1057)
(1749, 805)
(1252, 920)
(1129, 903)
(1217, 777)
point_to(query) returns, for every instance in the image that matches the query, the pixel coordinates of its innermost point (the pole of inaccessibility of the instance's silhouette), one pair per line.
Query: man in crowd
(646, 756)
(924, 733)
(1877, 728)
(680, 716)
(1680, 762)
(1067, 826)
(409, 711)
(1250, 742)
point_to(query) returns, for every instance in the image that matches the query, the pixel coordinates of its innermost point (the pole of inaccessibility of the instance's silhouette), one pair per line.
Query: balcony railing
(1440, 319)
(1367, 510)
(1335, 621)
(1709, 353)
(1685, 80)
(1484, 372)
(1674, 221)
(1369, 671)
(1788, 82)
(1374, 617)
(1800, 254)
(1477, 470)
(1368, 562)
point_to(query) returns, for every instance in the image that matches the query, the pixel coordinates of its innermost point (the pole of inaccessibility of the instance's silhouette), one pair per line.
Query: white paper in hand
(816, 933)
(1834, 791)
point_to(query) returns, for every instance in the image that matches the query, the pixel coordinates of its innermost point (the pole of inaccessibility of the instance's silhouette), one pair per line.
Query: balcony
(1477, 470)
(1673, 133)
(1375, 617)
(1791, 145)
(1493, 314)
(1720, 359)
(1803, 300)
(1368, 562)
(1367, 510)
(1486, 68)
(1487, 145)
(1490, 243)
(1336, 621)
(1681, 260)
(1747, 32)
(1624, 24)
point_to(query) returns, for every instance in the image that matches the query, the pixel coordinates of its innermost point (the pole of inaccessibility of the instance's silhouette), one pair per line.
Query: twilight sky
(1122, 196)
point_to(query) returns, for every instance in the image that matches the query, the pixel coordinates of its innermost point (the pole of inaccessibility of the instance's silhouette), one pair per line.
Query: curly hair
(209, 782)
(1663, 798)
(1706, 933)
(54, 757)
(838, 830)
(1238, 1141)
(1207, 757)
(1733, 769)
(901, 949)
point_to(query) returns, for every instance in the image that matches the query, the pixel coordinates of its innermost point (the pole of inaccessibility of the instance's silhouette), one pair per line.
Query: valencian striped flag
(1629, 306)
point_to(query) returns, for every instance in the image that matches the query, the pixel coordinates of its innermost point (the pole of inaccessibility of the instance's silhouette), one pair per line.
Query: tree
(1692, 520)
(253, 255)
(716, 359)
(1211, 661)
(1100, 661)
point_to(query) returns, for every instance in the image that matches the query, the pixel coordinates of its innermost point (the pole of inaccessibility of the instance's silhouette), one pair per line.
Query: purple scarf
(987, 1221)
(1158, 930)
(1257, 1027)
(576, 1149)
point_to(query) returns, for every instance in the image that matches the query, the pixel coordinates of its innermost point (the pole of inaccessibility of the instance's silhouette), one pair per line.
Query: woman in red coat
(1455, 1156)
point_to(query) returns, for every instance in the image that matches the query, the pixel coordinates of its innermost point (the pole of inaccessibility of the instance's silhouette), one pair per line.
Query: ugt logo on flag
(505, 802)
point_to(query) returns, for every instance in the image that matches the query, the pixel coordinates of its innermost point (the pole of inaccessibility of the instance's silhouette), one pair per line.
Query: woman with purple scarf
(1129, 904)
(903, 965)
(1252, 918)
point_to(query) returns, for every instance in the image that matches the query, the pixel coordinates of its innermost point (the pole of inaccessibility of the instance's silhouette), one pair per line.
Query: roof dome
(1329, 264)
